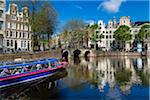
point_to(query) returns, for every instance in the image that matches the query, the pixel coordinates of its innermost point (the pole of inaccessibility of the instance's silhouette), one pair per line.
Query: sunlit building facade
(17, 36)
(2, 23)
(107, 30)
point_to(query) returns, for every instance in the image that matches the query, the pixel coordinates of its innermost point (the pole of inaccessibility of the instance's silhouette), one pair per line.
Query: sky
(94, 10)
(105, 10)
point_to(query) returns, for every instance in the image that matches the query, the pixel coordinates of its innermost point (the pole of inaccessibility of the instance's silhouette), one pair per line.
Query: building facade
(108, 30)
(17, 37)
(2, 23)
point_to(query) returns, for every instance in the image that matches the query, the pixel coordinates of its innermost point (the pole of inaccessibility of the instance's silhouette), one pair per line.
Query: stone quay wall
(35, 55)
(111, 54)
(57, 54)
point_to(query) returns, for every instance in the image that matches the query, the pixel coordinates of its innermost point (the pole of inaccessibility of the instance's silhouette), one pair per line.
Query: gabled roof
(140, 23)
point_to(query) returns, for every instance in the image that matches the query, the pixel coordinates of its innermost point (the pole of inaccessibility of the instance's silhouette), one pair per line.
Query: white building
(2, 22)
(108, 30)
(17, 35)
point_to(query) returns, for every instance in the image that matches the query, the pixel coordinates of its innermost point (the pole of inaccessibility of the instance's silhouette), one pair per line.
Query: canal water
(91, 78)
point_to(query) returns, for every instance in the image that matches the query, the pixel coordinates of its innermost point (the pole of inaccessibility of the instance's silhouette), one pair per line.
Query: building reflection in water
(101, 71)
(111, 77)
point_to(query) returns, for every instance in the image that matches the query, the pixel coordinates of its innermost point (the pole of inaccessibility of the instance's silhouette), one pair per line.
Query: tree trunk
(43, 43)
(48, 35)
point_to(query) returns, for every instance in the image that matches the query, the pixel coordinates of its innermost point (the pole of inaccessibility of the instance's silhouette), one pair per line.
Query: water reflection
(123, 72)
(40, 89)
(94, 78)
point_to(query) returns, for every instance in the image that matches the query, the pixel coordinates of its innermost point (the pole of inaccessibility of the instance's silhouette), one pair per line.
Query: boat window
(5, 72)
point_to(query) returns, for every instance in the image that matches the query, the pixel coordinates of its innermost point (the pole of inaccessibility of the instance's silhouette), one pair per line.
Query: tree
(94, 36)
(143, 33)
(122, 35)
(75, 30)
(43, 20)
(46, 20)
(86, 36)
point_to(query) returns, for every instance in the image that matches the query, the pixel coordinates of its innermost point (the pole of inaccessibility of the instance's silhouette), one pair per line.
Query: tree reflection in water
(113, 71)
(110, 78)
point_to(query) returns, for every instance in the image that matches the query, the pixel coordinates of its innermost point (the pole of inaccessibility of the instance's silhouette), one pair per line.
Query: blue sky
(96, 10)
(104, 9)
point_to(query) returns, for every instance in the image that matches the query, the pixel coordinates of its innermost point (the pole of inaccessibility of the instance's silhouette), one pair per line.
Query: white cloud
(90, 21)
(78, 7)
(111, 6)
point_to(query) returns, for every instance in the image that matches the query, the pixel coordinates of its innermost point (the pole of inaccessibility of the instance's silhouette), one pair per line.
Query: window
(106, 32)
(106, 36)
(1, 25)
(21, 43)
(110, 31)
(10, 33)
(18, 26)
(7, 34)
(21, 27)
(23, 35)
(13, 17)
(2, 4)
(110, 36)
(102, 36)
(13, 26)
(11, 42)
(16, 34)
(25, 44)
(107, 43)
(20, 35)
(7, 42)
(8, 24)
(103, 31)
(96, 36)
(124, 21)
(96, 31)
(28, 35)
(1, 13)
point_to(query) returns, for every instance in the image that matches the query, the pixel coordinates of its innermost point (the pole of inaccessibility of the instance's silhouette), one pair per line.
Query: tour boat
(11, 74)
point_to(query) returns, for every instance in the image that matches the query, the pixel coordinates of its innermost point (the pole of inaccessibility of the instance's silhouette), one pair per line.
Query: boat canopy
(30, 63)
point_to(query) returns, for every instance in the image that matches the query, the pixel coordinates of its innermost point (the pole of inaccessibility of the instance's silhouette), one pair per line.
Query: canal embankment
(30, 55)
(57, 54)
(115, 54)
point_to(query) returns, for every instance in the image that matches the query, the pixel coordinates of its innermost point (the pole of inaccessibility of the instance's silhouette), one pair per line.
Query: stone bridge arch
(83, 53)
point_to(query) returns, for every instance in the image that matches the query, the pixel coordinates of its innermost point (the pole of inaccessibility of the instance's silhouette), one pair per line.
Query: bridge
(80, 52)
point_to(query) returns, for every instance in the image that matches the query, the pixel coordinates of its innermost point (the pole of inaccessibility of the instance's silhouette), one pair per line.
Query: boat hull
(9, 81)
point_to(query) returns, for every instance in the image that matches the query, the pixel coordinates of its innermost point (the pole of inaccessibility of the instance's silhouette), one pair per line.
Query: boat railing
(28, 67)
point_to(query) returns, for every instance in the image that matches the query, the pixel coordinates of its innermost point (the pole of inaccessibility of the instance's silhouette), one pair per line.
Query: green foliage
(145, 31)
(42, 19)
(94, 27)
(123, 33)
(95, 37)
(144, 78)
(74, 30)
(123, 76)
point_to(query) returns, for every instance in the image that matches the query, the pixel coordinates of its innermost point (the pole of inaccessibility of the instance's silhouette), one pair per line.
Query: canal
(91, 78)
